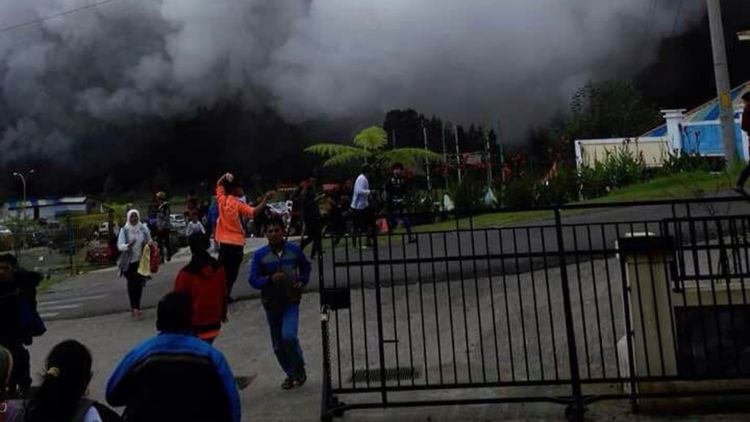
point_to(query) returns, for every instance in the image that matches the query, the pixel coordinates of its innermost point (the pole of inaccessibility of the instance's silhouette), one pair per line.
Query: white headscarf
(133, 229)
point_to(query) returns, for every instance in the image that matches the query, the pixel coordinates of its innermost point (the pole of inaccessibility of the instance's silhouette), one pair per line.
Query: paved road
(102, 292)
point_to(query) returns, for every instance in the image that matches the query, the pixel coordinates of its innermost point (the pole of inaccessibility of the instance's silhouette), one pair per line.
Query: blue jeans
(283, 325)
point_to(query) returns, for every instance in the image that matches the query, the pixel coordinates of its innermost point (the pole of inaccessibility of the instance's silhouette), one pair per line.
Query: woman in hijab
(133, 237)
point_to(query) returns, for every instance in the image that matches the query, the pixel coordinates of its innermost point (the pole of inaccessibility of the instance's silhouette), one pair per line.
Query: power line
(56, 15)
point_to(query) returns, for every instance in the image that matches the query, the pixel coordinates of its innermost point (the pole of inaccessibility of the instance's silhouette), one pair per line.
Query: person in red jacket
(229, 231)
(204, 280)
(745, 124)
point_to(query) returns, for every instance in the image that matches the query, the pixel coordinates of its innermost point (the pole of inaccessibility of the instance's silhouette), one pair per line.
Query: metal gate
(538, 312)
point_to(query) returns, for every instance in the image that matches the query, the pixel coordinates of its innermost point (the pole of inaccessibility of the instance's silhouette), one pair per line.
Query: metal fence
(592, 302)
(64, 247)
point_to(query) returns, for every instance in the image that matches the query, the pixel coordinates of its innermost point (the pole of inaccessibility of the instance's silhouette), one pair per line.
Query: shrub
(468, 195)
(519, 194)
(619, 168)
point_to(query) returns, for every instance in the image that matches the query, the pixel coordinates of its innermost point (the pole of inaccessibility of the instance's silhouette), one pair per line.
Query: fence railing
(621, 303)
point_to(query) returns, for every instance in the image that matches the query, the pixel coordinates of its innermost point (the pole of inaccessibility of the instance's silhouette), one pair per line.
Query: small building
(50, 208)
(694, 131)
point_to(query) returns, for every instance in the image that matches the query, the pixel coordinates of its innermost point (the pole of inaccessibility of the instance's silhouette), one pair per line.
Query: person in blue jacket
(280, 271)
(166, 391)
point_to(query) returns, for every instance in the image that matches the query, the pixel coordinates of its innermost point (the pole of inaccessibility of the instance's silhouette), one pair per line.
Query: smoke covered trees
(612, 108)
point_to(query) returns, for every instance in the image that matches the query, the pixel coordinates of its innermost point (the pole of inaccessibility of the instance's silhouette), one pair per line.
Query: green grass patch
(675, 186)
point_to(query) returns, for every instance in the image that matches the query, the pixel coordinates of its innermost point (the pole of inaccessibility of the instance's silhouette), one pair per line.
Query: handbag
(123, 261)
(144, 266)
(155, 260)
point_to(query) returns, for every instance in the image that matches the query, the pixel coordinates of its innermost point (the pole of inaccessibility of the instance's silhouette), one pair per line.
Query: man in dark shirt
(396, 189)
(745, 127)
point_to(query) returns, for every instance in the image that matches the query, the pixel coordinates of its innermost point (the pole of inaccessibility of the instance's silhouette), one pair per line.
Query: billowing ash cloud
(129, 60)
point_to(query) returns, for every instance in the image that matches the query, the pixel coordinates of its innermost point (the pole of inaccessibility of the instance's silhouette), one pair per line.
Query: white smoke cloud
(469, 60)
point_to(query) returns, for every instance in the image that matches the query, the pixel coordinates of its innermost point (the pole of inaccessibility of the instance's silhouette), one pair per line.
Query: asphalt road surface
(440, 256)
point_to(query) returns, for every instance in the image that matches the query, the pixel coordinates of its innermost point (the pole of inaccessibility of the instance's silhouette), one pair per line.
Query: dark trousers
(135, 285)
(20, 378)
(313, 234)
(396, 212)
(364, 224)
(162, 238)
(230, 257)
(744, 176)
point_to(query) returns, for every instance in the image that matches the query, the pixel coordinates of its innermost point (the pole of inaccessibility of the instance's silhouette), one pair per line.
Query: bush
(519, 194)
(619, 168)
(685, 162)
(559, 190)
(469, 194)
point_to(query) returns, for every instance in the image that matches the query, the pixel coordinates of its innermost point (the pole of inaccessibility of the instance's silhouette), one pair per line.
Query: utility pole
(445, 153)
(458, 158)
(488, 158)
(721, 73)
(427, 162)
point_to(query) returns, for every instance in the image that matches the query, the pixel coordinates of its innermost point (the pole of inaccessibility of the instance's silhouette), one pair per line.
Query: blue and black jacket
(292, 262)
(119, 393)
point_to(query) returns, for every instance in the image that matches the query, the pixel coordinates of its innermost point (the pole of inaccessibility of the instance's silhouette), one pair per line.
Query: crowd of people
(180, 364)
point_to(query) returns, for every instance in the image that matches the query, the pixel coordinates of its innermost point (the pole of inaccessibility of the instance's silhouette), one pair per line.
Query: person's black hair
(276, 221)
(397, 166)
(230, 187)
(366, 168)
(746, 96)
(173, 313)
(10, 259)
(68, 375)
(199, 244)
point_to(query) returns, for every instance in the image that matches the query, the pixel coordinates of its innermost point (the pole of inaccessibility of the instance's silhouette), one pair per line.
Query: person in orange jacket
(230, 233)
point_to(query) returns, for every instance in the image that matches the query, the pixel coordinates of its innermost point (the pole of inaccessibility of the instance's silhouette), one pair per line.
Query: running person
(280, 271)
(230, 233)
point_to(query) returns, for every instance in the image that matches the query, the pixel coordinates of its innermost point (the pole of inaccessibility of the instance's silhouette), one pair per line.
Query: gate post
(379, 306)
(576, 409)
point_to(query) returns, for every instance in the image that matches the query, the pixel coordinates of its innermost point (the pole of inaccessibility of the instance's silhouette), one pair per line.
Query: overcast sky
(468, 60)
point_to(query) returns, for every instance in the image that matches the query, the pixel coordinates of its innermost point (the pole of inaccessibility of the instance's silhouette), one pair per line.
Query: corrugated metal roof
(708, 111)
(48, 202)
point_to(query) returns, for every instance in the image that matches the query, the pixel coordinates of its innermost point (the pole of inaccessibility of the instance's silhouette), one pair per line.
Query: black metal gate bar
(460, 275)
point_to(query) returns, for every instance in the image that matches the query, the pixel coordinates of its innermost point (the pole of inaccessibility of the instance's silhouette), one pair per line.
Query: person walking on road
(174, 376)
(61, 397)
(204, 280)
(280, 271)
(361, 210)
(230, 233)
(395, 189)
(194, 226)
(131, 240)
(163, 227)
(745, 127)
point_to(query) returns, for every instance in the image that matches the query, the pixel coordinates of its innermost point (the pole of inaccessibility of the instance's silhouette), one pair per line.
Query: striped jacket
(292, 262)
